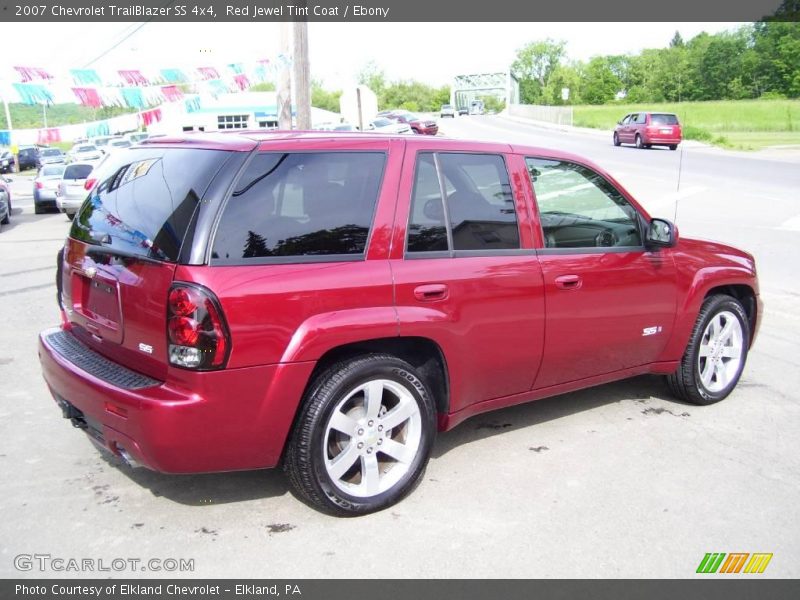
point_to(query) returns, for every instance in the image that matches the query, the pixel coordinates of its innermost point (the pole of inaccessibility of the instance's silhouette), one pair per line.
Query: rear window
(51, 152)
(300, 205)
(145, 199)
(50, 171)
(661, 119)
(86, 148)
(77, 171)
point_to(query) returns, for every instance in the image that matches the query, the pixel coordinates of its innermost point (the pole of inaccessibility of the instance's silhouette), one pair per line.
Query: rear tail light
(89, 184)
(197, 334)
(39, 185)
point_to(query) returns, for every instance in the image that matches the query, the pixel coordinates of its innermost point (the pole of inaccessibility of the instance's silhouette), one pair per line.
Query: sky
(429, 52)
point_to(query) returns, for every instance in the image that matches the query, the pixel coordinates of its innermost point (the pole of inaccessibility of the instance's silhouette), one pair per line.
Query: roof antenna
(678, 189)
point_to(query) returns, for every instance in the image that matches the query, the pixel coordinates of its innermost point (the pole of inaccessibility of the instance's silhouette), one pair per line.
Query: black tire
(7, 219)
(685, 382)
(648, 146)
(673, 146)
(616, 139)
(304, 457)
(38, 208)
(70, 215)
(639, 143)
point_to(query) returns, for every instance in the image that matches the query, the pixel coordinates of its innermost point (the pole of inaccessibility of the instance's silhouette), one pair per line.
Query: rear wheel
(7, 219)
(716, 353)
(673, 146)
(616, 139)
(363, 437)
(639, 143)
(38, 208)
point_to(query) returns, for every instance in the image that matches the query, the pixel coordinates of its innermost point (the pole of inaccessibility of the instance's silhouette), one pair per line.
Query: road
(617, 481)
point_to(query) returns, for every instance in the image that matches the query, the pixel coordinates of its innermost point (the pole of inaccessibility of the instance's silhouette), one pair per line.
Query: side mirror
(661, 234)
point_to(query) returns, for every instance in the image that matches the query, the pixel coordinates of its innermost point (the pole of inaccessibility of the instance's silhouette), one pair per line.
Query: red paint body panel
(512, 327)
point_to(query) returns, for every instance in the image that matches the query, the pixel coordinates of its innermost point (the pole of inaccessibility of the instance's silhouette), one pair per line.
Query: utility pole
(302, 72)
(284, 96)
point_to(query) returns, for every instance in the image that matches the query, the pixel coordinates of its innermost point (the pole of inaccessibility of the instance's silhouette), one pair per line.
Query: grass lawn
(742, 124)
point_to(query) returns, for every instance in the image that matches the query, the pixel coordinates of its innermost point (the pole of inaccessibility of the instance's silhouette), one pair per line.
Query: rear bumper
(658, 140)
(195, 422)
(65, 203)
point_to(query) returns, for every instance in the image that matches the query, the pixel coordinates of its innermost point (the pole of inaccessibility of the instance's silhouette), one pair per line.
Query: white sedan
(384, 125)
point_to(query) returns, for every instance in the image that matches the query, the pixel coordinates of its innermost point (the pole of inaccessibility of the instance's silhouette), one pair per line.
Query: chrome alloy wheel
(372, 438)
(720, 352)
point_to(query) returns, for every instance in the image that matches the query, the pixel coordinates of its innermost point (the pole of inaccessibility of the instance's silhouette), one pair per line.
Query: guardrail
(561, 115)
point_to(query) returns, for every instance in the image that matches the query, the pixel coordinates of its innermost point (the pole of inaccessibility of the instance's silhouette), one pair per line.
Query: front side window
(304, 204)
(578, 208)
(480, 213)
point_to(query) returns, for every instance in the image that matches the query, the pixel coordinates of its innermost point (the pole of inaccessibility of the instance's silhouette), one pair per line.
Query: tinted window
(145, 199)
(427, 231)
(578, 208)
(77, 171)
(306, 204)
(479, 203)
(640, 118)
(658, 119)
(51, 152)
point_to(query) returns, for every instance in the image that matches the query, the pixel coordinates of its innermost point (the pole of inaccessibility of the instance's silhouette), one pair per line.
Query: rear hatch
(666, 125)
(74, 179)
(123, 246)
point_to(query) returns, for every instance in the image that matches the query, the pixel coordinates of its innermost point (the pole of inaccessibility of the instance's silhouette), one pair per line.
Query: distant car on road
(647, 129)
(476, 107)
(83, 153)
(45, 186)
(463, 110)
(384, 125)
(50, 156)
(5, 201)
(7, 162)
(418, 124)
(447, 111)
(71, 191)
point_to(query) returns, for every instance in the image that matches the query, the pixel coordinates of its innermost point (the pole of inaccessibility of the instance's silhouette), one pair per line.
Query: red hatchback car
(646, 129)
(329, 302)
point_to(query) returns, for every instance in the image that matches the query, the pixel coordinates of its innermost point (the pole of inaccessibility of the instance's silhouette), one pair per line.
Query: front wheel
(716, 353)
(70, 215)
(363, 437)
(616, 139)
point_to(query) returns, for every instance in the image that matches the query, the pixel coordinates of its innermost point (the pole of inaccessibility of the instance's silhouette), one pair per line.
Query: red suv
(328, 303)
(647, 129)
(418, 124)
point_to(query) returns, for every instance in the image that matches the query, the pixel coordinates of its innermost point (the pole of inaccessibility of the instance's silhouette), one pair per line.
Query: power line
(101, 55)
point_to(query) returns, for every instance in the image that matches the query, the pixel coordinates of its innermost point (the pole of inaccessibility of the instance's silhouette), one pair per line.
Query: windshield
(664, 120)
(381, 122)
(86, 149)
(51, 152)
(52, 171)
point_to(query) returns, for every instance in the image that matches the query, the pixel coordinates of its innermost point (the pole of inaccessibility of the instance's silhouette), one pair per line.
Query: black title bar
(398, 10)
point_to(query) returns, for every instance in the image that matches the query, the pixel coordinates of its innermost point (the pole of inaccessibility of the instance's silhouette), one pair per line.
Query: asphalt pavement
(616, 481)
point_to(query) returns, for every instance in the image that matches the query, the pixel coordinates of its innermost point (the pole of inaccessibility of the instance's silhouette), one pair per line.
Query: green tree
(600, 84)
(534, 65)
(325, 99)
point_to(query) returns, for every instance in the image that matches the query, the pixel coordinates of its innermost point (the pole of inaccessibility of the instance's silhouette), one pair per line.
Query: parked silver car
(83, 153)
(51, 156)
(45, 186)
(5, 201)
(71, 191)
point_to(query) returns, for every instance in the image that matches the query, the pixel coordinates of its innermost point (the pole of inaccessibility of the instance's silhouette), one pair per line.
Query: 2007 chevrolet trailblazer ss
(327, 302)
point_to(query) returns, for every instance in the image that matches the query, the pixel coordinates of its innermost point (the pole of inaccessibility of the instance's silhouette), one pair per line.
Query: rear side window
(144, 200)
(480, 213)
(659, 119)
(308, 204)
(77, 171)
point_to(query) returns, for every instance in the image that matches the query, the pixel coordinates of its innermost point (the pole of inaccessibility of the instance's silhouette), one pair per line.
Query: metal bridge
(466, 88)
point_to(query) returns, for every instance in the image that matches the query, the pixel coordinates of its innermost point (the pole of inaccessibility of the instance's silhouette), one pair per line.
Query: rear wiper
(93, 251)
